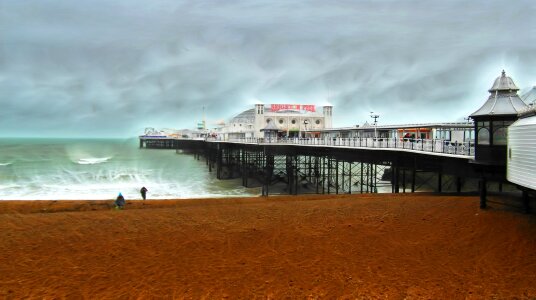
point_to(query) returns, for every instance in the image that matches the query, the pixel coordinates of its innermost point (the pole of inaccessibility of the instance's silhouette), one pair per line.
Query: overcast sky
(112, 68)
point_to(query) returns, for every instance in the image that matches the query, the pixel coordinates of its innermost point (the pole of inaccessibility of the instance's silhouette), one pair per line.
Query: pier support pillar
(395, 177)
(268, 172)
(458, 184)
(526, 201)
(439, 182)
(404, 180)
(219, 162)
(483, 193)
(413, 175)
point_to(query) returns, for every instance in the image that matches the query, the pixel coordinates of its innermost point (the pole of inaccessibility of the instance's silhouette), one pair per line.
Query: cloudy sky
(112, 68)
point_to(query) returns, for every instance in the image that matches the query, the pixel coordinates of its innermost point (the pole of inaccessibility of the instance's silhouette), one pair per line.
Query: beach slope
(348, 246)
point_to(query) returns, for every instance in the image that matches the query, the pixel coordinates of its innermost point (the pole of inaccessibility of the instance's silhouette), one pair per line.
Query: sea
(100, 169)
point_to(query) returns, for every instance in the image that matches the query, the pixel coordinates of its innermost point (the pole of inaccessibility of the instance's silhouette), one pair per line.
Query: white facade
(521, 157)
(290, 122)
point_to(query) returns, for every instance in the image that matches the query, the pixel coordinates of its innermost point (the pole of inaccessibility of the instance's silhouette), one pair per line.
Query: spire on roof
(503, 98)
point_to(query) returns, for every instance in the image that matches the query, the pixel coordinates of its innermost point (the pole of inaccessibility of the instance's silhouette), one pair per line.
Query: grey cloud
(105, 68)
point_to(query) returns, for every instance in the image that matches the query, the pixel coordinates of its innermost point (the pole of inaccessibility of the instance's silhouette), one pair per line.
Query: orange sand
(369, 246)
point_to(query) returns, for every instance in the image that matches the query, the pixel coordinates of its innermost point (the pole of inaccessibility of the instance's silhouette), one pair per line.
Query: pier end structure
(491, 122)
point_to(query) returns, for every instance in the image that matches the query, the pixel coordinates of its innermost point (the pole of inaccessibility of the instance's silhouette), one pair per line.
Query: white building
(521, 155)
(292, 120)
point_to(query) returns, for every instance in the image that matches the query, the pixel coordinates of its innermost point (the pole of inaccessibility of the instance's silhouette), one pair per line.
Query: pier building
(491, 122)
(521, 157)
(453, 131)
(291, 121)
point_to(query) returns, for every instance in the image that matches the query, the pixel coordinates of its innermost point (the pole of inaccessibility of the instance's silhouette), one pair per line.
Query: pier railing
(425, 145)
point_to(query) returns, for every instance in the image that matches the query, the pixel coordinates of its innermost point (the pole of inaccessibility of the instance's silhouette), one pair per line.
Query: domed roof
(503, 99)
(247, 116)
(503, 83)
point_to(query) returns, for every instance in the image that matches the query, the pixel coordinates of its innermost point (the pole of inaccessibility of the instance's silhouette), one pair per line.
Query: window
(268, 120)
(281, 121)
(317, 122)
(483, 136)
(499, 136)
(293, 121)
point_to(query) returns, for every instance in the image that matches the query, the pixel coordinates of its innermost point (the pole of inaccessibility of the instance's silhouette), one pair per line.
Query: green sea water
(101, 168)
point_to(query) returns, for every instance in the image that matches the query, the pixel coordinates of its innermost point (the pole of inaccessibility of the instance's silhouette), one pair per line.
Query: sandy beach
(347, 246)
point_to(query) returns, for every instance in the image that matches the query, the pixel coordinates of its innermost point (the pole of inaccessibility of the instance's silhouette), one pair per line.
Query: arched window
(483, 136)
(499, 136)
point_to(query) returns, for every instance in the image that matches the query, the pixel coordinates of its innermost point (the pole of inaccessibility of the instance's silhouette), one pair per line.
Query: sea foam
(93, 160)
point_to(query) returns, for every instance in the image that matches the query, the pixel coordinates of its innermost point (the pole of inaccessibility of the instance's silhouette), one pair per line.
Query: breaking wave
(93, 160)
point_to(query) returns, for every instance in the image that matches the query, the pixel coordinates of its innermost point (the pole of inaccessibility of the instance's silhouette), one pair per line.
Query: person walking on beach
(143, 192)
(119, 202)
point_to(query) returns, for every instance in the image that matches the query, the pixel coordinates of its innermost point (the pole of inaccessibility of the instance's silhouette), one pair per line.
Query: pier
(295, 152)
(334, 166)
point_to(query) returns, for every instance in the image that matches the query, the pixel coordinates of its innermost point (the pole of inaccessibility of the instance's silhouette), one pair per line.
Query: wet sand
(349, 246)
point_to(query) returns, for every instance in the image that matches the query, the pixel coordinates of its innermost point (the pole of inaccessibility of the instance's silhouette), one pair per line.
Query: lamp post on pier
(375, 117)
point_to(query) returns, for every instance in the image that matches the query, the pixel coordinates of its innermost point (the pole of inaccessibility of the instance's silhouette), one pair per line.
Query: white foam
(93, 160)
(4, 164)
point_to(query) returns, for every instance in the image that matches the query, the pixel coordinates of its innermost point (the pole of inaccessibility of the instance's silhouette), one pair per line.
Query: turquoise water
(101, 168)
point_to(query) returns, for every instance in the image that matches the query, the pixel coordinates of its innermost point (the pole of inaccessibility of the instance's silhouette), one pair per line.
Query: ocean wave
(93, 160)
(4, 164)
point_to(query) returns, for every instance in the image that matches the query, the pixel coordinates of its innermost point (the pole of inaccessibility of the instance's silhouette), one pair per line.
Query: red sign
(278, 107)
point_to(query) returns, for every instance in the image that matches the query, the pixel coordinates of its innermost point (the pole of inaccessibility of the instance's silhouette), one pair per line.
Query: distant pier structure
(438, 157)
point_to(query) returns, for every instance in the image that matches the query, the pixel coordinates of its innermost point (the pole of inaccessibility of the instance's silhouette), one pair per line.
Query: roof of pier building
(503, 99)
(529, 96)
(271, 127)
(247, 116)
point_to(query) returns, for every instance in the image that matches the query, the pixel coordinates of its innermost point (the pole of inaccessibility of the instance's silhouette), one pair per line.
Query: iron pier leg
(526, 201)
(375, 178)
(337, 175)
(458, 184)
(329, 175)
(349, 177)
(404, 180)
(396, 177)
(413, 180)
(269, 169)
(483, 193)
(317, 175)
(361, 181)
(439, 183)
(219, 163)
(323, 168)
(209, 160)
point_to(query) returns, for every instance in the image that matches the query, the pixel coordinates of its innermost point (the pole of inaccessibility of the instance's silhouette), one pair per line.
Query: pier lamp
(305, 123)
(375, 117)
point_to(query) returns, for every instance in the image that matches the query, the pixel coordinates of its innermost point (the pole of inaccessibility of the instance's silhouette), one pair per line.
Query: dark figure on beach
(120, 201)
(143, 192)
